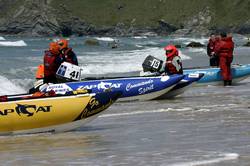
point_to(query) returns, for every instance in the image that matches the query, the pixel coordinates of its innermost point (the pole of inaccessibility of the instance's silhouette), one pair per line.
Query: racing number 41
(74, 74)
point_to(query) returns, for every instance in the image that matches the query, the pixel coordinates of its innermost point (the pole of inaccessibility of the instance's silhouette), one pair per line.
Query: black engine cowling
(152, 64)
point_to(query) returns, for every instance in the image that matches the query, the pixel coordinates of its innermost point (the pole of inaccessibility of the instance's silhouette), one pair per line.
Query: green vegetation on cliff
(228, 12)
(123, 17)
(148, 12)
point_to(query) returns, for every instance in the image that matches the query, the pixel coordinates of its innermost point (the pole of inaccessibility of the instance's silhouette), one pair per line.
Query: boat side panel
(129, 87)
(28, 114)
(214, 74)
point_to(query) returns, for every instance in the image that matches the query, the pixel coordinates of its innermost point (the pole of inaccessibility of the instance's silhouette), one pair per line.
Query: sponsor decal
(146, 89)
(93, 102)
(93, 107)
(107, 85)
(59, 88)
(210, 73)
(193, 75)
(131, 86)
(102, 86)
(28, 110)
(164, 78)
(87, 87)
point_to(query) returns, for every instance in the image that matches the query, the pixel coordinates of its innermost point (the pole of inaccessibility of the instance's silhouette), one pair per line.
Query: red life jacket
(51, 63)
(225, 47)
(174, 65)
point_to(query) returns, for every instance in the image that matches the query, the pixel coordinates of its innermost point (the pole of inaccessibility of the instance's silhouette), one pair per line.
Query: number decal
(155, 64)
(69, 71)
(77, 74)
(62, 70)
(74, 74)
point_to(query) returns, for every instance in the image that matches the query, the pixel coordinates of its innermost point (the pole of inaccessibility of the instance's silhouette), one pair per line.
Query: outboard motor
(68, 72)
(152, 64)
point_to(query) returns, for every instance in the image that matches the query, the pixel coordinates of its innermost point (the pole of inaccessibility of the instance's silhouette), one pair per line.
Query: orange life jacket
(40, 71)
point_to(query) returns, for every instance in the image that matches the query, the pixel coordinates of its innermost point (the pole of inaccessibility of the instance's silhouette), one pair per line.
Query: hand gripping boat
(132, 88)
(20, 114)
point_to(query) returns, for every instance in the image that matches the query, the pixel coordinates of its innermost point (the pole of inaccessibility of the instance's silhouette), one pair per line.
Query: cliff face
(123, 17)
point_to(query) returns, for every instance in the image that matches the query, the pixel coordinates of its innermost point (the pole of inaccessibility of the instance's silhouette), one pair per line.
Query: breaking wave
(19, 43)
(2, 38)
(120, 61)
(105, 39)
(8, 87)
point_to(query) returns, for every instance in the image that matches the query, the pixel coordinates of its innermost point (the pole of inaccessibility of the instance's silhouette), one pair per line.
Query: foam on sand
(220, 158)
(146, 112)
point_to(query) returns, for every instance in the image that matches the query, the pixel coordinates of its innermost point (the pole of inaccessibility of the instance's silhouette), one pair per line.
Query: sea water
(207, 125)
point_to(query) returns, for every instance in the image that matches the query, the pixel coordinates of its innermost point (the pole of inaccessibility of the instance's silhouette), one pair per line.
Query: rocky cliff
(123, 17)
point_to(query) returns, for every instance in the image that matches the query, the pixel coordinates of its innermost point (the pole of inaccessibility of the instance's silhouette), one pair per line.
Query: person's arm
(59, 60)
(208, 49)
(162, 69)
(217, 48)
(73, 57)
(177, 63)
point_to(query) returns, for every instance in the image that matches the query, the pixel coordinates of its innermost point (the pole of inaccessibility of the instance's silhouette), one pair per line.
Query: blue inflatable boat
(212, 76)
(183, 85)
(132, 88)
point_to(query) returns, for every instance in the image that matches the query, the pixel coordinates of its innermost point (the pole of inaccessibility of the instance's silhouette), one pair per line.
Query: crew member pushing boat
(224, 49)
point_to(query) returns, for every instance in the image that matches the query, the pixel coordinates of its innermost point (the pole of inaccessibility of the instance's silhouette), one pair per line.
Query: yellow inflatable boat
(22, 114)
